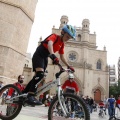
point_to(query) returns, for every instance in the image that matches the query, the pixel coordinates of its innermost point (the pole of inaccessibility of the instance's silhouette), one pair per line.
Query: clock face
(72, 56)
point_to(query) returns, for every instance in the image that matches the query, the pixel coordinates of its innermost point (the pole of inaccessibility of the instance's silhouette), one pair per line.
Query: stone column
(16, 19)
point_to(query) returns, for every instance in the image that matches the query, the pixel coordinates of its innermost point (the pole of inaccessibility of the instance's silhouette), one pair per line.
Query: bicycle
(58, 108)
(102, 112)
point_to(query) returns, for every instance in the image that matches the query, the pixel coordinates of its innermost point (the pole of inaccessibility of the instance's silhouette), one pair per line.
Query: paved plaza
(40, 113)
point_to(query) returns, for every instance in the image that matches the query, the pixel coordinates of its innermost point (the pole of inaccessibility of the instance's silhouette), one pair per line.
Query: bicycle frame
(45, 88)
(48, 86)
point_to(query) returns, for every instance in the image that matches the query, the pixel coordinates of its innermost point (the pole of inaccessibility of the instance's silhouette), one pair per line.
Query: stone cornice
(83, 44)
(18, 6)
(14, 50)
(79, 64)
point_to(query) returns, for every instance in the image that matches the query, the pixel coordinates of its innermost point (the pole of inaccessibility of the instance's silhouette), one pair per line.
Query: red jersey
(118, 101)
(71, 86)
(20, 87)
(101, 104)
(59, 44)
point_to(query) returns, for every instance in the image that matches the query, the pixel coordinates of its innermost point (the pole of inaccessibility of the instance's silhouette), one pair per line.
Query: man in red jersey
(10, 93)
(18, 84)
(102, 107)
(53, 43)
(70, 85)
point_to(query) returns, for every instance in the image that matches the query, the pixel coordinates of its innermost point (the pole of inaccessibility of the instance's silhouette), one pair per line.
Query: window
(79, 35)
(72, 56)
(99, 64)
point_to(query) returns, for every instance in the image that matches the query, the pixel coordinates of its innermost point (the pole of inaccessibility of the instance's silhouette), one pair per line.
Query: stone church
(91, 69)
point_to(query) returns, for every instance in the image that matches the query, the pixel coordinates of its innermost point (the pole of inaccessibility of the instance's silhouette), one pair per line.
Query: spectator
(91, 102)
(111, 106)
(105, 103)
(87, 100)
(118, 102)
(18, 84)
(70, 85)
(12, 107)
(94, 106)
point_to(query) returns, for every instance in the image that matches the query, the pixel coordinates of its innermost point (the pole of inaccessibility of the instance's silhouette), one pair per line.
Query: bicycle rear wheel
(76, 107)
(9, 108)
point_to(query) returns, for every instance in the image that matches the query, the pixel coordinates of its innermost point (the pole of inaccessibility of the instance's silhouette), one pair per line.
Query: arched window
(79, 37)
(99, 64)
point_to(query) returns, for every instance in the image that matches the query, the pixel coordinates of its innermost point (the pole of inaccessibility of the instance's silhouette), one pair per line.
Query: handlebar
(62, 70)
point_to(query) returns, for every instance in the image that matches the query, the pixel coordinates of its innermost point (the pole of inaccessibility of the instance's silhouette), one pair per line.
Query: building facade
(112, 75)
(119, 68)
(16, 19)
(91, 69)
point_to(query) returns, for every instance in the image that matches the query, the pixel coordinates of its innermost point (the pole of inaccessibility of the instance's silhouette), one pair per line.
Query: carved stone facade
(91, 69)
(16, 19)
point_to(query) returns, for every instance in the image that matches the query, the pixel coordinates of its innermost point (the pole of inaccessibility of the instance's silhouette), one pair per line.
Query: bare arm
(50, 47)
(63, 59)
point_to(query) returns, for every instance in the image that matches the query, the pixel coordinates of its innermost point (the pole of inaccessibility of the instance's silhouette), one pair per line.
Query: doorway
(97, 95)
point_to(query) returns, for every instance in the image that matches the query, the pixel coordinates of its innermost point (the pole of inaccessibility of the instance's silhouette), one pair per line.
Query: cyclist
(102, 107)
(70, 86)
(53, 43)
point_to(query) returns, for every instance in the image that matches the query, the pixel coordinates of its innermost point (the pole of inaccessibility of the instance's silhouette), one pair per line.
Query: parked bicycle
(58, 108)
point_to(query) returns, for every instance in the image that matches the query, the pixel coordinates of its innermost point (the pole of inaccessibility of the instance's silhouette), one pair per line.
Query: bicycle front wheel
(75, 107)
(9, 107)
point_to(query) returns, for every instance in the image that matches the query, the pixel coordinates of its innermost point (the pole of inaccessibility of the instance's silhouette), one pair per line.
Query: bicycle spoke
(9, 104)
(75, 109)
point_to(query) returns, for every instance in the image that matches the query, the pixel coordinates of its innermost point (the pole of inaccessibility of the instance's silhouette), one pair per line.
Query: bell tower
(85, 30)
(64, 20)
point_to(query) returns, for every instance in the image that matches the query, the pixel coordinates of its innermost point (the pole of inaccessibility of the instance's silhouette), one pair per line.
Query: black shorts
(40, 58)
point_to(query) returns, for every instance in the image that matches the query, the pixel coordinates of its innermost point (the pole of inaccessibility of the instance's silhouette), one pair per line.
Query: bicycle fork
(61, 100)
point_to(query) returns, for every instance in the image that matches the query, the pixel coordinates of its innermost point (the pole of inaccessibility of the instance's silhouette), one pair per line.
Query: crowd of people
(110, 104)
(71, 86)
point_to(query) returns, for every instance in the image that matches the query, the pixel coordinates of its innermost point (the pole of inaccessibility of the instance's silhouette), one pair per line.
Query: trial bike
(58, 108)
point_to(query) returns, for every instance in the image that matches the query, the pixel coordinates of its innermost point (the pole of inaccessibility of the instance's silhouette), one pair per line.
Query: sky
(104, 17)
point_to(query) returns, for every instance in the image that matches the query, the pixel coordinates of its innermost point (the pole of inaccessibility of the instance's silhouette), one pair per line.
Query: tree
(115, 90)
